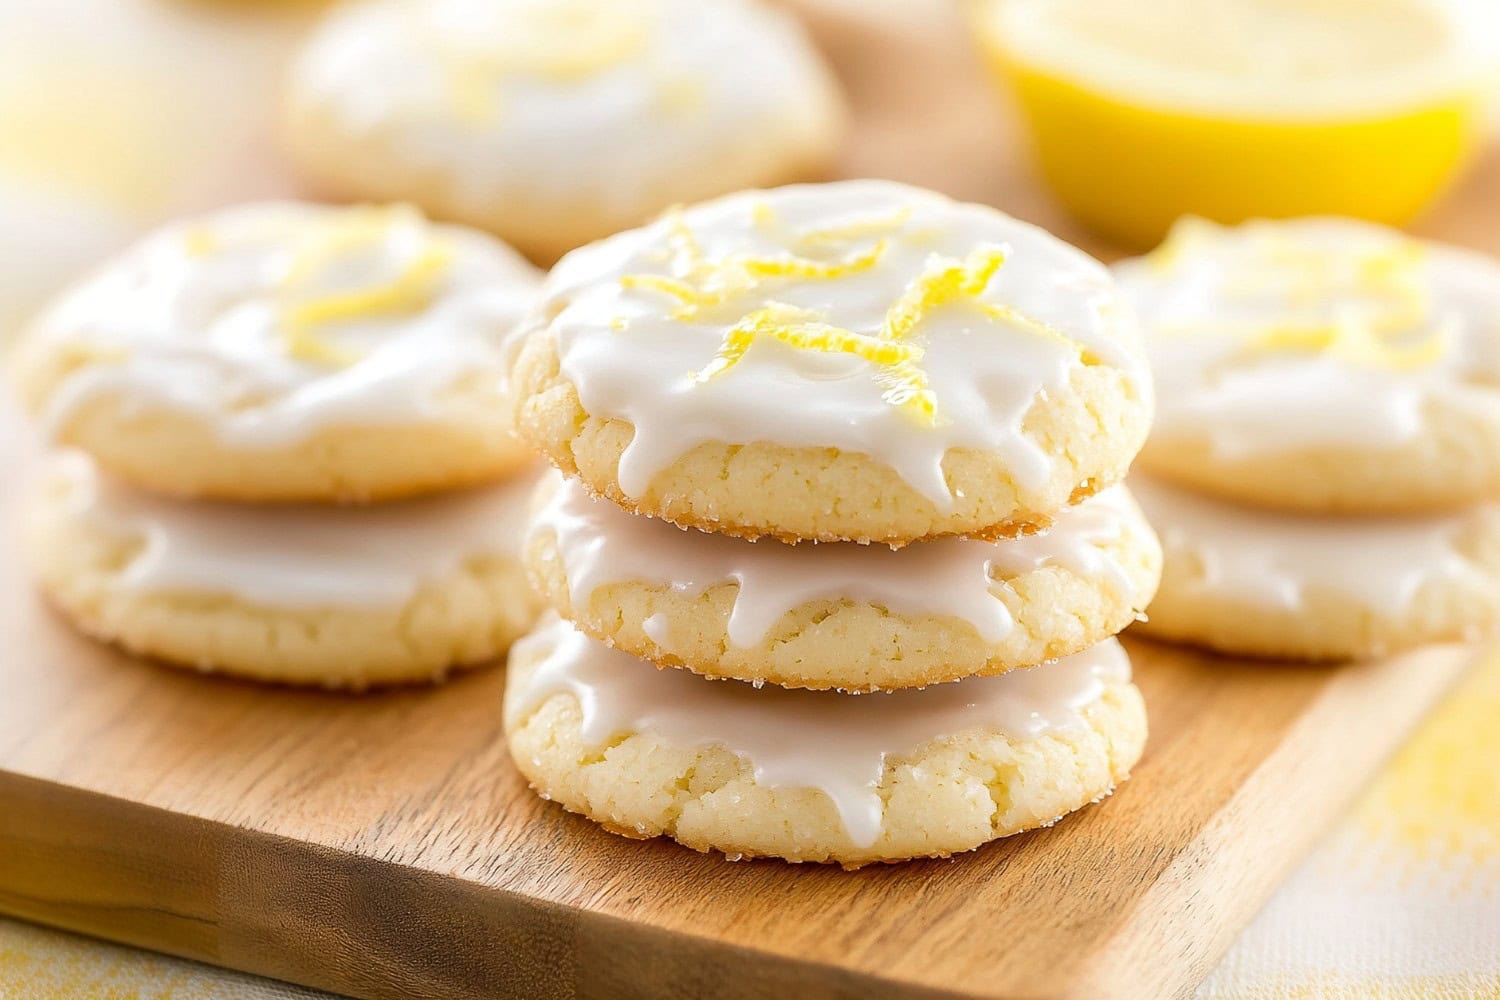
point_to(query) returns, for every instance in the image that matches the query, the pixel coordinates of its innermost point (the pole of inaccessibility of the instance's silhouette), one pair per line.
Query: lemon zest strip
(883, 225)
(803, 329)
(409, 291)
(1354, 341)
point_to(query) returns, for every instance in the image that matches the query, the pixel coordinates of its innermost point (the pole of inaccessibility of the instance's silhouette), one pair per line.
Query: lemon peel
(883, 225)
(1342, 108)
(763, 216)
(804, 329)
(199, 241)
(704, 284)
(945, 280)
(354, 229)
(1387, 282)
(701, 284)
(562, 43)
(1355, 341)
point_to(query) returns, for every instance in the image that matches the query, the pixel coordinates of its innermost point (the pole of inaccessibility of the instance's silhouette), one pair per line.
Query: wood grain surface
(384, 846)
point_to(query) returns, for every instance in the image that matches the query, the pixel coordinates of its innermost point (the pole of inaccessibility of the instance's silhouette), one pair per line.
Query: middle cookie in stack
(839, 363)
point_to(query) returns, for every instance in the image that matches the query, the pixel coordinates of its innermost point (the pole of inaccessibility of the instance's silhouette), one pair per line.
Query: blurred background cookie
(555, 122)
(1322, 365)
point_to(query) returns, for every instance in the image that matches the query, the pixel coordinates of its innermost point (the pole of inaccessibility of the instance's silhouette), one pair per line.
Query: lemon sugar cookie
(860, 361)
(288, 352)
(840, 614)
(1319, 587)
(340, 597)
(555, 122)
(817, 775)
(1322, 365)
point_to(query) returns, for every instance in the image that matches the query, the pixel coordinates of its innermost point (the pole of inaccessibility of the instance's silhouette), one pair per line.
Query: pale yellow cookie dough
(287, 352)
(554, 122)
(859, 644)
(951, 795)
(90, 566)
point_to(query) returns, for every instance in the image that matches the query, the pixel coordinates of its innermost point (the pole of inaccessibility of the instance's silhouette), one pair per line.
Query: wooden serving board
(384, 845)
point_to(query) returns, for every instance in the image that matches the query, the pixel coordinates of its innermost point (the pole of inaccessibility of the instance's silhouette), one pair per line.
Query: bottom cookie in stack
(335, 596)
(817, 776)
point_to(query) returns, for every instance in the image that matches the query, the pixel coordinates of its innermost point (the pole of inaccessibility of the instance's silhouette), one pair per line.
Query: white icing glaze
(596, 102)
(1275, 560)
(600, 544)
(193, 319)
(630, 359)
(837, 743)
(292, 556)
(1210, 292)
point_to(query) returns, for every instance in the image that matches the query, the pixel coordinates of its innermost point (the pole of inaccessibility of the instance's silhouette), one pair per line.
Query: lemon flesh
(1237, 109)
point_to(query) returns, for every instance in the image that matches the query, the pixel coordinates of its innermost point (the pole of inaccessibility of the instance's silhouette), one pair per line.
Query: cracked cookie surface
(810, 775)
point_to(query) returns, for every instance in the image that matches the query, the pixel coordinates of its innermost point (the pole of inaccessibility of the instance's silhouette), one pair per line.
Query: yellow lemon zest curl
(1369, 334)
(704, 284)
(945, 280)
(360, 228)
(883, 225)
(804, 329)
(1356, 342)
(698, 285)
(563, 42)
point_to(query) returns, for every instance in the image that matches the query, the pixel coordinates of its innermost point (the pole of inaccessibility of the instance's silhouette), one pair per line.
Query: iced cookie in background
(1322, 365)
(860, 360)
(841, 615)
(1256, 582)
(554, 122)
(333, 596)
(287, 352)
(1241, 109)
(817, 775)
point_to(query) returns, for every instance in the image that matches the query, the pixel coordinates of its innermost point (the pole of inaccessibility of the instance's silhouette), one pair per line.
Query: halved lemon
(1146, 110)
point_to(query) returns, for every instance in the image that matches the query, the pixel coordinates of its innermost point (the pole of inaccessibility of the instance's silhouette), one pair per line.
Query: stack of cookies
(229, 396)
(1326, 461)
(836, 541)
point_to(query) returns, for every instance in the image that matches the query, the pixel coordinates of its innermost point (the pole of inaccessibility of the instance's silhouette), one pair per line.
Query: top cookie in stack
(749, 368)
(842, 364)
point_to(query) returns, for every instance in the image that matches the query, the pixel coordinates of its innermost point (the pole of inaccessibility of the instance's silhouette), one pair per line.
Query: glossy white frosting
(633, 354)
(195, 319)
(1210, 294)
(836, 743)
(291, 556)
(1267, 559)
(600, 544)
(598, 102)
